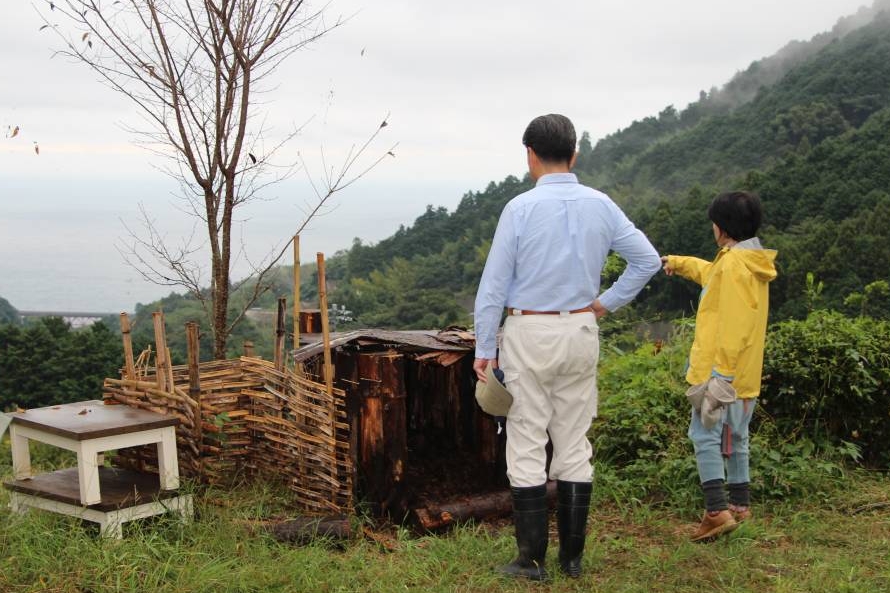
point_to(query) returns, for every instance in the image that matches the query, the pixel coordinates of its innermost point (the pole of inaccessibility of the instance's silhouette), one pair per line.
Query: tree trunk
(220, 309)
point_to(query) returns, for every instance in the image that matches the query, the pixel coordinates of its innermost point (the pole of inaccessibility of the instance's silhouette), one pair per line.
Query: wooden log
(129, 364)
(441, 514)
(306, 529)
(248, 348)
(280, 334)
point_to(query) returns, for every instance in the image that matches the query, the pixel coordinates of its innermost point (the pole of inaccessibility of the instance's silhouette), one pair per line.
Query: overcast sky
(460, 80)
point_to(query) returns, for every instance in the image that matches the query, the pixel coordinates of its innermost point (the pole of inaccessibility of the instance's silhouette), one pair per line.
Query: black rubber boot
(571, 519)
(530, 518)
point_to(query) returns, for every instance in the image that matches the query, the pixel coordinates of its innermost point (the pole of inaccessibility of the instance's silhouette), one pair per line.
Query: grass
(789, 547)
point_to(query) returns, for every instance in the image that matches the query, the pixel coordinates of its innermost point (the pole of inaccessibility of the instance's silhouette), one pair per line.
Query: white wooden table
(88, 428)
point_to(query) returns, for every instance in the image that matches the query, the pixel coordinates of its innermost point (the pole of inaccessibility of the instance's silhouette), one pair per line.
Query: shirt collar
(557, 178)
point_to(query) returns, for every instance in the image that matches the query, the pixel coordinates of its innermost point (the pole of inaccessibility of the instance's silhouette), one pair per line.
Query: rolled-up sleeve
(491, 297)
(642, 262)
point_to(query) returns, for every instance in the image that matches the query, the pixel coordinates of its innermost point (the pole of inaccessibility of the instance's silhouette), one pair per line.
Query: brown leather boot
(713, 525)
(740, 513)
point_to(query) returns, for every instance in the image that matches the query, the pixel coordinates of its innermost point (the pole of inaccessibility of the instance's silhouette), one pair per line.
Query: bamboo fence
(245, 418)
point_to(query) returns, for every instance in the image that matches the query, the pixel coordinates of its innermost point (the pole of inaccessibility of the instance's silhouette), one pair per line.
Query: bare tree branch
(194, 69)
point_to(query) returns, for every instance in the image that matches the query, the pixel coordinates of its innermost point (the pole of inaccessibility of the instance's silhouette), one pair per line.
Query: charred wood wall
(416, 431)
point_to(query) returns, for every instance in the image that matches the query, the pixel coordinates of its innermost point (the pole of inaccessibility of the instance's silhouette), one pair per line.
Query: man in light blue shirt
(544, 267)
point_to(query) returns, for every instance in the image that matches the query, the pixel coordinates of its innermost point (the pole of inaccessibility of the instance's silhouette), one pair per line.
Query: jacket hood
(759, 261)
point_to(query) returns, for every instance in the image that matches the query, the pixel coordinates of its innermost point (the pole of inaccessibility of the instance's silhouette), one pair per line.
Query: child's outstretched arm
(691, 268)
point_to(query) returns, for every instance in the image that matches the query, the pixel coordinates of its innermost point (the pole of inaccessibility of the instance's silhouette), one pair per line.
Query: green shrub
(640, 435)
(643, 452)
(828, 378)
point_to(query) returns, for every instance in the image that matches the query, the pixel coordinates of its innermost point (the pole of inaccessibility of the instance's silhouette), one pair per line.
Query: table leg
(111, 525)
(16, 505)
(186, 508)
(21, 455)
(168, 464)
(88, 474)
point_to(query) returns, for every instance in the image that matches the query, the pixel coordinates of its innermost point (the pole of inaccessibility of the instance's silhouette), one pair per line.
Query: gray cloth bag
(709, 398)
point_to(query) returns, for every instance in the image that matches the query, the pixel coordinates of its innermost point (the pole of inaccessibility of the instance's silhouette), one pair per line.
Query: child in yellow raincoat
(730, 331)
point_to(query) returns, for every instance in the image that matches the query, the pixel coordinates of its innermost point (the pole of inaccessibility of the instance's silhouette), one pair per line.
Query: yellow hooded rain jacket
(730, 326)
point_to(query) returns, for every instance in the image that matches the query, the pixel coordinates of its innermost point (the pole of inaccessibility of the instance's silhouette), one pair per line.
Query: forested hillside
(807, 92)
(809, 129)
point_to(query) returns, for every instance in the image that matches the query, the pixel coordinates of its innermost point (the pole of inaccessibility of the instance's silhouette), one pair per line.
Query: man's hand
(667, 269)
(598, 309)
(480, 364)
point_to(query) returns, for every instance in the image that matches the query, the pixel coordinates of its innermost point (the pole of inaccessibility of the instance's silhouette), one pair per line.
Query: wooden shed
(421, 447)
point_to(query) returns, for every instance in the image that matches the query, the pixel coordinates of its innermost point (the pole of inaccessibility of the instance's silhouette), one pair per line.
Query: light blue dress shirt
(548, 254)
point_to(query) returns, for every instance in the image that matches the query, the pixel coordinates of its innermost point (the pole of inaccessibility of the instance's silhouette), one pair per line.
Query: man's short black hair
(737, 213)
(552, 137)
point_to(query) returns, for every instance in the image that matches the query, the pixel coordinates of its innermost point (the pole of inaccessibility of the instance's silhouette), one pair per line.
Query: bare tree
(194, 69)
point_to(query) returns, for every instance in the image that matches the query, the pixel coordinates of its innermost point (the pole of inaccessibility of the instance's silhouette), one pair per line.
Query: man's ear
(573, 160)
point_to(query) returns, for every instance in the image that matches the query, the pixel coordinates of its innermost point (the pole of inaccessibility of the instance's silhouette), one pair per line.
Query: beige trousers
(549, 364)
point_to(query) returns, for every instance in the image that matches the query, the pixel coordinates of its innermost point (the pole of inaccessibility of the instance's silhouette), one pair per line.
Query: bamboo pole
(280, 334)
(128, 347)
(169, 365)
(161, 350)
(328, 367)
(296, 292)
(193, 346)
(325, 332)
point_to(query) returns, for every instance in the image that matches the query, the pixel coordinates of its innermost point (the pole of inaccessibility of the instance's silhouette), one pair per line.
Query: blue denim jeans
(707, 444)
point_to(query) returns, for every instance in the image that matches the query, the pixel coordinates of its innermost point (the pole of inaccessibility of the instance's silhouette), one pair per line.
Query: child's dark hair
(737, 213)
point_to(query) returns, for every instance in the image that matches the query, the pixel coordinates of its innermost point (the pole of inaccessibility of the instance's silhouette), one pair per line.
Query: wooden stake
(161, 362)
(325, 333)
(328, 367)
(280, 334)
(129, 365)
(193, 346)
(170, 383)
(296, 292)
(248, 348)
